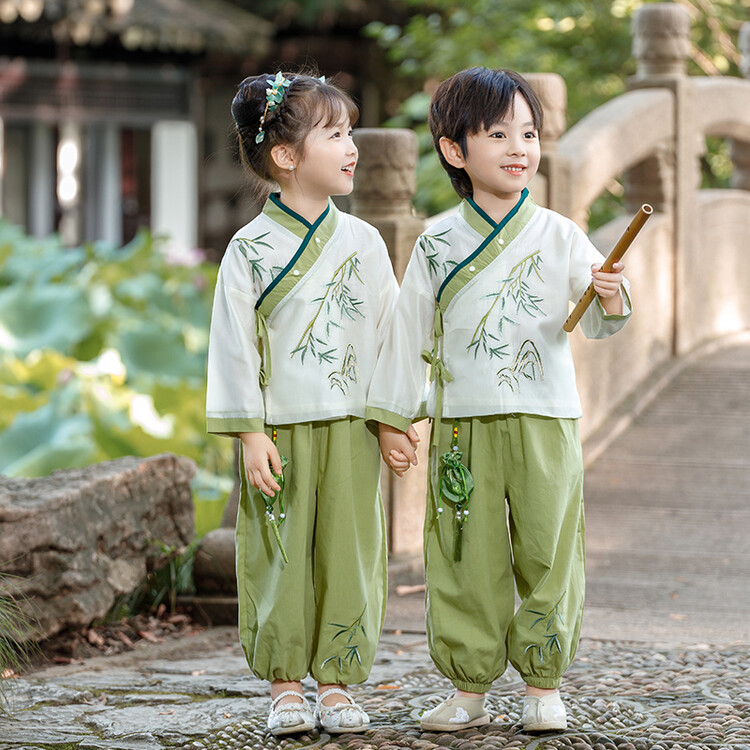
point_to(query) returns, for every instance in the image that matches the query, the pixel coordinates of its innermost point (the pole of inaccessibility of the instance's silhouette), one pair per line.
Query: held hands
(607, 286)
(398, 448)
(258, 451)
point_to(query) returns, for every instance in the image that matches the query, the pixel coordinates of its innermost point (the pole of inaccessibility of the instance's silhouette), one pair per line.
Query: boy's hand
(398, 448)
(258, 451)
(607, 286)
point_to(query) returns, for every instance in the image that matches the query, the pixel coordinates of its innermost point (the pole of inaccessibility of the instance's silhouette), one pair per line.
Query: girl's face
(501, 160)
(327, 166)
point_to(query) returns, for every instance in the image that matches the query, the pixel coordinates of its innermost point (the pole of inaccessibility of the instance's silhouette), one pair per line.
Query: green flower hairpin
(274, 95)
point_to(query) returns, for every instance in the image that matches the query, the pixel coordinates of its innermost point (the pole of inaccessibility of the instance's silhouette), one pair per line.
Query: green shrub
(103, 355)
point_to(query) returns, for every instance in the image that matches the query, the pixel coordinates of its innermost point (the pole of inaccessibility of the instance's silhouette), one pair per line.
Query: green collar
(496, 238)
(314, 238)
(290, 219)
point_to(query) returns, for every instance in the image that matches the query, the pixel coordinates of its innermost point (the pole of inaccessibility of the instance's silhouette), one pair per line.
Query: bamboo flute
(622, 245)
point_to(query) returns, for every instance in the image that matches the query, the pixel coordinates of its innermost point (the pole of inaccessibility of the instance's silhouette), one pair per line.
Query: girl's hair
(306, 102)
(474, 100)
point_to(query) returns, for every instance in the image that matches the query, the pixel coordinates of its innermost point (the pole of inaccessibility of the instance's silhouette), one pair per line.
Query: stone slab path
(664, 662)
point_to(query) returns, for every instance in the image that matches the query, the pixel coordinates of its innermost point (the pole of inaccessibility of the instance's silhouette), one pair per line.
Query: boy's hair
(470, 101)
(306, 102)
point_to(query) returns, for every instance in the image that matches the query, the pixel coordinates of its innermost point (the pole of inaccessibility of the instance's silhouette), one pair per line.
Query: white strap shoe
(290, 718)
(344, 716)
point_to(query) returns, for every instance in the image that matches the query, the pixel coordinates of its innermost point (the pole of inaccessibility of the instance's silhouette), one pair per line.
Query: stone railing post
(384, 186)
(549, 187)
(385, 183)
(740, 150)
(661, 47)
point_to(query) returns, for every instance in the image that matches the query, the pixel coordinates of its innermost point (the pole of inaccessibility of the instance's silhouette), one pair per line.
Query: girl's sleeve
(596, 323)
(387, 292)
(234, 402)
(400, 378)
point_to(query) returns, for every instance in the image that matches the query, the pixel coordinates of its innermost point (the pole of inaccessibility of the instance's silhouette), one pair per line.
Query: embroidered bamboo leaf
(515, 288)
(351, 650)
(337, 293)
(527, 363)
(349, 373)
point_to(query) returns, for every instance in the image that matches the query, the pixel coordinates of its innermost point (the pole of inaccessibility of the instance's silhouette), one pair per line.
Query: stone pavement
(664, 662)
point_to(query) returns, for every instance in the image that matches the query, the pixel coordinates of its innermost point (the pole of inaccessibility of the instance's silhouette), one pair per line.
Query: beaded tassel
(456, 484)
(269, 501)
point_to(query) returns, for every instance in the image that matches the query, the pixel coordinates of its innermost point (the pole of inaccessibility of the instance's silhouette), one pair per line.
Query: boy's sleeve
(234, 402)
(596, 323)
(400, 377)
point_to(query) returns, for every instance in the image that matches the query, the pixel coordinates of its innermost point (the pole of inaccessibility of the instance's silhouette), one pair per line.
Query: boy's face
(502, 160)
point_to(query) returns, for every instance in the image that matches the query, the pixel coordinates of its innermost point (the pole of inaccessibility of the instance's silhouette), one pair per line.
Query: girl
(303, 297)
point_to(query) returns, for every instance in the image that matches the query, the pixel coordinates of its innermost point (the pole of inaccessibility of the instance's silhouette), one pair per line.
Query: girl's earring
(291, 168)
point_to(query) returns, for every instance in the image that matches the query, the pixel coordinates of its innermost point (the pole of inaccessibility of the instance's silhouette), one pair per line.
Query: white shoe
(455, 713)
(290, 717)
(544, 714)
(344, 716)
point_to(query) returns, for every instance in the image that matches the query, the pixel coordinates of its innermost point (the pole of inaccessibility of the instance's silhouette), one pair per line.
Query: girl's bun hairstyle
(307, 102)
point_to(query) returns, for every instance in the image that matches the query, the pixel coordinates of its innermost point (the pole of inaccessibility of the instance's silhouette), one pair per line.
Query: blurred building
(102, 118)
(114, 114)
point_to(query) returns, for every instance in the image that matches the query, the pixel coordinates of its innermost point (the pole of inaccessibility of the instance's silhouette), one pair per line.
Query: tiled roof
(191, 26)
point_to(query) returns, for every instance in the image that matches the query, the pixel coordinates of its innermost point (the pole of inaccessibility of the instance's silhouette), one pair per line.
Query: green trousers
(322, 612)
(532, 464)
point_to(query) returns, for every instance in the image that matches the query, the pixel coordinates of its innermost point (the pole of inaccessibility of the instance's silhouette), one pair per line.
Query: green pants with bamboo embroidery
(531, 465)
(322, 612)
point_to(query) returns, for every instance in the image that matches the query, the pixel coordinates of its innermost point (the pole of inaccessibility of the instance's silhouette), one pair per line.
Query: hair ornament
(274, 96)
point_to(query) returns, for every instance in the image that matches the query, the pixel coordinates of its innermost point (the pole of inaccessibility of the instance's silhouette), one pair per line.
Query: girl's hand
(607, 286)
(397, 448)
(258, 451)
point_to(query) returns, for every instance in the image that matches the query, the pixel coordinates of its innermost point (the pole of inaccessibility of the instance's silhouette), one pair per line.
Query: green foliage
(104, 356)
(172, 575)
(15, 625)
(587, 42)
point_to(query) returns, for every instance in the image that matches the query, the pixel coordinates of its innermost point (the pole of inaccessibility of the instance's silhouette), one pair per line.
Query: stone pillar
(661, 46)
(740, 150)
(174, 182)
(651, 181)
(385, 183)
(109, 210)
(41, 198)
(548, 186)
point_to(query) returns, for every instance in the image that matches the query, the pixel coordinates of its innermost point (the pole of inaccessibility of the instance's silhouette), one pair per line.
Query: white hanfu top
(499, 294)
(299, 315)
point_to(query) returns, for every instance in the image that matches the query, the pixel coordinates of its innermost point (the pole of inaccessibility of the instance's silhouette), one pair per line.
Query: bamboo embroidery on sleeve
(428, 244)
(514, 291)
(254, 256)
(338, 296)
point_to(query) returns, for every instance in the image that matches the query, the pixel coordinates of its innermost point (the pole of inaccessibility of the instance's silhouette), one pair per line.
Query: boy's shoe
(455, 713)
(344, 716)
(290, 717)
(545, 714)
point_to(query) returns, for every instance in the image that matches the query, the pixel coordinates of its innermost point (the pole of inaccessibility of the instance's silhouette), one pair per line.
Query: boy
(487, 291)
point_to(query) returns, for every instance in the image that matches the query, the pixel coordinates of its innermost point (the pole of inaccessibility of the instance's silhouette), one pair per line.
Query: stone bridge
(688, 268)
